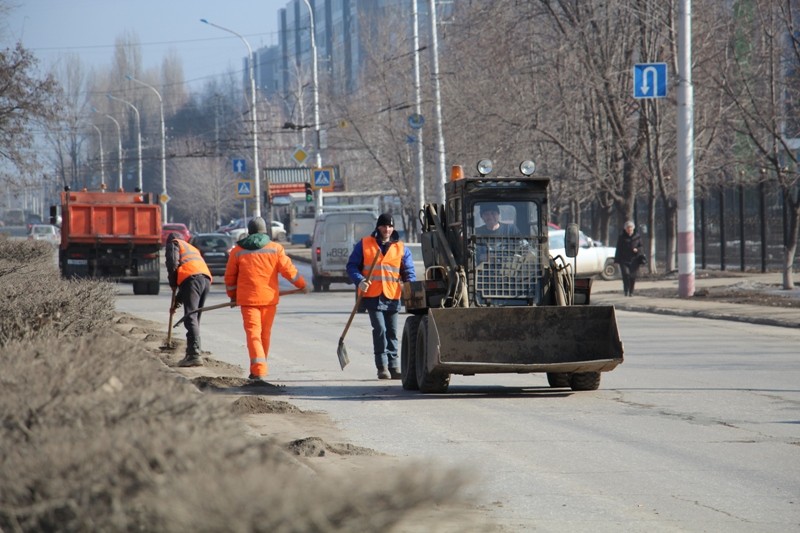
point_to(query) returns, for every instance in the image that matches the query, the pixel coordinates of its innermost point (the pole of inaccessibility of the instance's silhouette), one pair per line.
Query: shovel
(168, 344)
(224, 304)
(341, 351)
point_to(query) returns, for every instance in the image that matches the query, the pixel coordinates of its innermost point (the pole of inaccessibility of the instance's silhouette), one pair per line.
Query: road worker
(251, 281)
(189, 275)
(381, 294)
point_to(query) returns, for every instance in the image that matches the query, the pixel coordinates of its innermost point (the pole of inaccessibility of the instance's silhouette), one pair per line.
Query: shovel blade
(341, 352)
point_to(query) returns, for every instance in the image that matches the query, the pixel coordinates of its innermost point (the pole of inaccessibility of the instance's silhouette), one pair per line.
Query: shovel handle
(359, 295)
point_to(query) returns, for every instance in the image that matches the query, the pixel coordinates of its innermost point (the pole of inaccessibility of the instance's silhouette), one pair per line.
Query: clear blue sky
(89, 28)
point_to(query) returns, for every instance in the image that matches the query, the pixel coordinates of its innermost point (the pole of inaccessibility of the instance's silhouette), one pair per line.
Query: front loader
(493, 300)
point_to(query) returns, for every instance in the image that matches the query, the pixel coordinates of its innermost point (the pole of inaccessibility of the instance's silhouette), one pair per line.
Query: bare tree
(760, 79)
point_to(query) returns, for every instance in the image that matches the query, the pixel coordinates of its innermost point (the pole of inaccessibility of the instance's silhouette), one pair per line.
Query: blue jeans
(384, 338)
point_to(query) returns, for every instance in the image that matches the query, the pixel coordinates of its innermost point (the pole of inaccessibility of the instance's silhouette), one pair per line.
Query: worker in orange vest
(190, 276)
(251, 281)
(381, 294)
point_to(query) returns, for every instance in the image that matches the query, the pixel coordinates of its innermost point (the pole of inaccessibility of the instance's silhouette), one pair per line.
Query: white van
(335, 235)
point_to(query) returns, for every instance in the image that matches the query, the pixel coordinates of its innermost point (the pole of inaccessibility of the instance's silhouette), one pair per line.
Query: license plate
(215, 254)
(77, 261)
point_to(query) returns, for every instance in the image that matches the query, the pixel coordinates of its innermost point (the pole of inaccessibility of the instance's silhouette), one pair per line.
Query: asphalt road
(698, 430)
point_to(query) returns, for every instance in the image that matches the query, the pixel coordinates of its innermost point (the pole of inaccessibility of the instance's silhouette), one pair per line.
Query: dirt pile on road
(98, 434)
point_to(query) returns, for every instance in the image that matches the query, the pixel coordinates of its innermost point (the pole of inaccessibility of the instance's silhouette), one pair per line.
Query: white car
(594, 259)
(45, 232)
(238, 229)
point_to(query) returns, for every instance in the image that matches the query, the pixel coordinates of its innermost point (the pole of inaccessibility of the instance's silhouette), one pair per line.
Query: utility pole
(437, 103)
(685, 153)
(418, 110)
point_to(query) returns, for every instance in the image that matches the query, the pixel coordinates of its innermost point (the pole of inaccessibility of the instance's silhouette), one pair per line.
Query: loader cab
(496, 229)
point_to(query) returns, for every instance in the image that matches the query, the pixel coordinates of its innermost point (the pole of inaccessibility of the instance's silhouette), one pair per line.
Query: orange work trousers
(258, 327)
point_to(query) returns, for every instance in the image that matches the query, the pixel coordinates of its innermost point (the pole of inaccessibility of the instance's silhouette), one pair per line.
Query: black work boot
(191, 360)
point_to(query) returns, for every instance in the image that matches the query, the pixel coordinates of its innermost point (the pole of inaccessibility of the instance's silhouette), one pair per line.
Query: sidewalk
(610, 293)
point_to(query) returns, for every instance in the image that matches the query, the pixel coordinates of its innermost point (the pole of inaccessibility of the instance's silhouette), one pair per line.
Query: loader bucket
(523, 339)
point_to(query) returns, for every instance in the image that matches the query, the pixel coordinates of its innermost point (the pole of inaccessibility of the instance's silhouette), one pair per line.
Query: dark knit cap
(385, 220)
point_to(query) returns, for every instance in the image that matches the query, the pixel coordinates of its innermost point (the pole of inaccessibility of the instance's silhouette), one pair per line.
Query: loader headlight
(527, 167)
(485, 167)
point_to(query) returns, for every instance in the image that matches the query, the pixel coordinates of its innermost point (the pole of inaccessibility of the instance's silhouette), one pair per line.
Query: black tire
(558, 380)
(610, 270)
(153, 287)
(140, 287)
(326, 286)
(585, 381)
(428, 382)
(408, 353)
(316, 283)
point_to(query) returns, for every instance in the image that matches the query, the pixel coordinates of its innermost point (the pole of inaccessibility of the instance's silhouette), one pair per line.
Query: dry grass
(97, 434)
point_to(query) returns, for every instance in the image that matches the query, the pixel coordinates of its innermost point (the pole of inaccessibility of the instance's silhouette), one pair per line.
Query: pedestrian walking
(189, 275)
(381, 294)
(628, 256)
(251, 282)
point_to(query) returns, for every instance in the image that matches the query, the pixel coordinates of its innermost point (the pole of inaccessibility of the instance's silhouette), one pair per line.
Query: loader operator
(189, 275)
(490, 214)
(251, 281)
(382, 292)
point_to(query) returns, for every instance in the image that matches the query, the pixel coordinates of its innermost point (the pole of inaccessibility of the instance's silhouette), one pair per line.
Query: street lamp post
(315, 89)
(102, 162)
(163, 146)
(257, 179)
(119, 149)
(139, 133)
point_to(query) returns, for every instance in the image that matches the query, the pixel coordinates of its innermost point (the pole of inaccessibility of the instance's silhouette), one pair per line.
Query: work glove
(364, 285)
(233, 302)
(306, 289)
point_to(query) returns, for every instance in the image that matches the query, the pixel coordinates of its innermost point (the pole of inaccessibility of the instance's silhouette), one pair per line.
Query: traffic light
(309, 193)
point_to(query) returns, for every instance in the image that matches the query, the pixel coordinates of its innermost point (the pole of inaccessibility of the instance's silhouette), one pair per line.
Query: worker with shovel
(189, 275)
(251, 281)
(378, 266)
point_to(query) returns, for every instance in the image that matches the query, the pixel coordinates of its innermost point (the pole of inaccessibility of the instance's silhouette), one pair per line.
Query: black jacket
(625, 245)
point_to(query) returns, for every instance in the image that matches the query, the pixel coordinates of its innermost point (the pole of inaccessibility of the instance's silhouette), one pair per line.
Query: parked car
(594, 259)
(45, 232)
(181, 229)
(215, 249)
(333, 239)
(238, 227)
(14, 233)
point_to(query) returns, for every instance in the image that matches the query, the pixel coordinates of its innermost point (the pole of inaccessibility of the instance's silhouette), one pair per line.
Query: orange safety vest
(190, 262)
(386, 275)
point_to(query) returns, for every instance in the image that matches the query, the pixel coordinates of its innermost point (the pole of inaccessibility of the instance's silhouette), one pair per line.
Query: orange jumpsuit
(251, 279)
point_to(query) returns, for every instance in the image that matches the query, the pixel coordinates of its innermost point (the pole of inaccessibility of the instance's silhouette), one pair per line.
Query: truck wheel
(326, 286)
(429, 382)
(408, 353)
(153, 287)
(610, 270)
(316, 283)
(558, 380)
(585, 381)
(140, 287)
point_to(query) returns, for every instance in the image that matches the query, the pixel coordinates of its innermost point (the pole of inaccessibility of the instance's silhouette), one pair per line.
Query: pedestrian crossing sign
(322, 178)
(244, 189)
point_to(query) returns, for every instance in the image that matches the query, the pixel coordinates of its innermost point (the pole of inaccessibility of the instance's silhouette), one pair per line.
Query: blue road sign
(244, 189)
(416, 121)
(322, 178)
(239, 165)
(650, 80)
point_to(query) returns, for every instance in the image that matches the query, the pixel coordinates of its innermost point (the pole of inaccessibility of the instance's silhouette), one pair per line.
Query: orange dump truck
(112, 235)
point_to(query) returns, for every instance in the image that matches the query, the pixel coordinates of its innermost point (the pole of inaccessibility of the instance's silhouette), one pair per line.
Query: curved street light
(119, 144)
(163, 147)
(257, 207)
(316, 98)
(139, 134)
(102, 162)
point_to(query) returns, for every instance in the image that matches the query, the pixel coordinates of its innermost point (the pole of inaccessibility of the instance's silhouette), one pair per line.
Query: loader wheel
(558, 380)
(585, 381)
(408, 353)
(428, 382)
